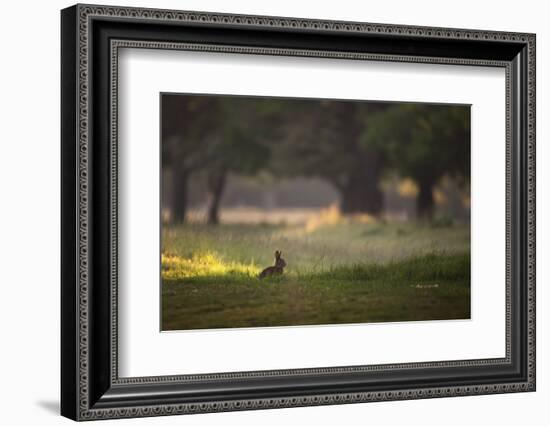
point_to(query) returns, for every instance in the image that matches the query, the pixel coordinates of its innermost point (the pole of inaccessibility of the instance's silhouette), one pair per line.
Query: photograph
(295, 211)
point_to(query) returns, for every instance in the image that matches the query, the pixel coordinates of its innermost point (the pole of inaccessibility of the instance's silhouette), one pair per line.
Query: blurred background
(237, 159)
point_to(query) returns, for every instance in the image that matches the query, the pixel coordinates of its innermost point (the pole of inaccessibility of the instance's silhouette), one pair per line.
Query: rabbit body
(274, 270)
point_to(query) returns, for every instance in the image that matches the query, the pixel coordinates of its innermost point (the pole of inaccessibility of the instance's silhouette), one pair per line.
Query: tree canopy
(424, 142)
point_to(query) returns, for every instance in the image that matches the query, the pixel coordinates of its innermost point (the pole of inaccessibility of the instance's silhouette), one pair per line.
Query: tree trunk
(216, 185)
(361, 193)
(425, 200)
(179, 195)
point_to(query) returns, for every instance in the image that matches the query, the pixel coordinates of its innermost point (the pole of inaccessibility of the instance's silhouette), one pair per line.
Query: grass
(337, 274)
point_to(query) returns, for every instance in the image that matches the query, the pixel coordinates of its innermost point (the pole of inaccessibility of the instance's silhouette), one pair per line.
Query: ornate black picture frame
(91, 37)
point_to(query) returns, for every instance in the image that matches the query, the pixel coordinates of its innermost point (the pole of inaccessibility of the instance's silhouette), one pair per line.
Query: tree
(424, 142)
(186, 129)
(324, 139)
(211, 135)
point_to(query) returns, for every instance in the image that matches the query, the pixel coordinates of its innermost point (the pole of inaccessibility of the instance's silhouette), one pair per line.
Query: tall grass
(323, 248)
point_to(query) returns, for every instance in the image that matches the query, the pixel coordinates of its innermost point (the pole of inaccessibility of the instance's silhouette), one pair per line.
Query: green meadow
(349, 271)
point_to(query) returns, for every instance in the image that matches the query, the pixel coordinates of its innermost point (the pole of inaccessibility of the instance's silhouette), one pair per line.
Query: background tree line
(351, 144)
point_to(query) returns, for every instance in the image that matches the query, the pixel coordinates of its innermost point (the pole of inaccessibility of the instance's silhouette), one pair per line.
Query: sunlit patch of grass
(333, 216)
(204, 264)
(328, 216)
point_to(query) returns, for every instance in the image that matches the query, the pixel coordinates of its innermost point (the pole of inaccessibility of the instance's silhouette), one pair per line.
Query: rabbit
(274, 270)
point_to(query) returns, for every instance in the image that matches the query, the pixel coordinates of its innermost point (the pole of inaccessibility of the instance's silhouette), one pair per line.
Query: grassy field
(345, 272)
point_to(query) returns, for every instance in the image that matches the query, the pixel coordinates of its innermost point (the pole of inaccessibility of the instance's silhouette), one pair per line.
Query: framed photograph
(263, 212)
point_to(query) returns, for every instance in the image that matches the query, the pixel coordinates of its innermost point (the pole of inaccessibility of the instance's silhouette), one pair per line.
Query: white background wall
(29, 211)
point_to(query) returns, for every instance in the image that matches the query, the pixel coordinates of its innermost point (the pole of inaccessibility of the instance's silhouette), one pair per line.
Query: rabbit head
(279, 261)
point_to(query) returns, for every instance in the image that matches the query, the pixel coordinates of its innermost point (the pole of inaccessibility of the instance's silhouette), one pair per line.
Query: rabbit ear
(277, 254)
